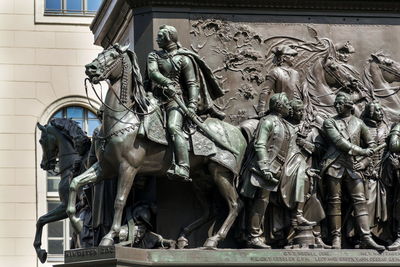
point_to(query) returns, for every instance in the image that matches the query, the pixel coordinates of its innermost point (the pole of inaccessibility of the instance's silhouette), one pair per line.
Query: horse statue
(59, 141)
(379, 72)
(124, 149)
(325, 78)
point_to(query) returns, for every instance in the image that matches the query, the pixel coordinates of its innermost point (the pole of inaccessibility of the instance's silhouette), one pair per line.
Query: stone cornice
(109, 18)
(391, 6)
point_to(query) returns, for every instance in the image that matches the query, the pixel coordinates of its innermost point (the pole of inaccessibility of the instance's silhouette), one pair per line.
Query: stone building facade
(42, 62)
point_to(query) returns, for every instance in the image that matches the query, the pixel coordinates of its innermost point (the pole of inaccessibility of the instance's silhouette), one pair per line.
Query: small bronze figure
(283, 78)
(345, 133)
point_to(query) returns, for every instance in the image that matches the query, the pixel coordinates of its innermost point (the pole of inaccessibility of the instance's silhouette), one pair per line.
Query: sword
(215, 138)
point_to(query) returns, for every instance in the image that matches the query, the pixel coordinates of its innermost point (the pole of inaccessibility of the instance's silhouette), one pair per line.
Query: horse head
(49, 146)
(390, 69)
(338, 74)
(119, 63)
(108, 64)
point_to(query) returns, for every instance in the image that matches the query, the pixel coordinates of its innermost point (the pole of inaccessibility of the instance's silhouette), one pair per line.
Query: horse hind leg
(206, 216)
(54, 215)
(125, 180)
(223, 179)
(91, 175)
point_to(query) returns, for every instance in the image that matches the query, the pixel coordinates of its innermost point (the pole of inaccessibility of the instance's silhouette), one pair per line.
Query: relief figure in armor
(283, 78)
(274, 164)
(174, 70)
(345, 134)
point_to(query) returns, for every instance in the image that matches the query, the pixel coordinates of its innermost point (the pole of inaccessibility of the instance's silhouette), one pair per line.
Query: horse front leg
(223, 178)
(91, 175)
(54, 215)
(125, 180)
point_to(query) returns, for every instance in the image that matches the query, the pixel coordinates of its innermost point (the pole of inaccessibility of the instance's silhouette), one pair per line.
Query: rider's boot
(217, 113)
(298, 217)
(366, 239)
(335, 222)
(180, 169)
(255, 220)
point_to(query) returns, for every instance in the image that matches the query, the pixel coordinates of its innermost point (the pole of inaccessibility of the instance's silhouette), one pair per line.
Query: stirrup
(179, 173)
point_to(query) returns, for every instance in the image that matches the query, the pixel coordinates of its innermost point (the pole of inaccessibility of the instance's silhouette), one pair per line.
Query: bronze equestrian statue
(124, 148)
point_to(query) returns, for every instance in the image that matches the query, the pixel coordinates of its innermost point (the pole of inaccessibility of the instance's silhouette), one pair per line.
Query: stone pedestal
(122, 256)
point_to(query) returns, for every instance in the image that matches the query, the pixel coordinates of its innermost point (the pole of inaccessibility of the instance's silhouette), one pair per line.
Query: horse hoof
(210, 243)
(42, 255)
(182, 243)
(106, 241)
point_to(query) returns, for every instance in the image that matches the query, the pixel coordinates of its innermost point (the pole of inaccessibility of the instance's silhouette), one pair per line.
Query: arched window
(59, 233)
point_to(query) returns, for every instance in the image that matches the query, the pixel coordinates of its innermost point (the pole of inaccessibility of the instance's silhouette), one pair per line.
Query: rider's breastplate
(170, 67)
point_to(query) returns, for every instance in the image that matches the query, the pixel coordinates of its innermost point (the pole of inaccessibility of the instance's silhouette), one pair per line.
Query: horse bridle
(54, 158)
(47, 150)
(389, 69)
(334, 75)
(124, 84)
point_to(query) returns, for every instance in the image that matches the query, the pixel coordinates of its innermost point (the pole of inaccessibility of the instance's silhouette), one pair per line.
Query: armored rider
(283, 78)
(174, 70)
(345, 133)
(273, 143)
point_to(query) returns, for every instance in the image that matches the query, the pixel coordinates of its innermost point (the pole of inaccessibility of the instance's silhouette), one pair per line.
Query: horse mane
(138, 93)
(367, 76)
(70, 129)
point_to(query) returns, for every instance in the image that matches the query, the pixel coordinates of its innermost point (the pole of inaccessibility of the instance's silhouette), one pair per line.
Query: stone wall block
(17, 55)
(17, 124)
(7, 38)
(32, 73)
(26, 176)
(7, 107)
(62, 57)
(73, 40)
(30, 107)
(17, 194)
(23, 7)
(16, 22)
(16, 89)
(35, 39)
(7, 141)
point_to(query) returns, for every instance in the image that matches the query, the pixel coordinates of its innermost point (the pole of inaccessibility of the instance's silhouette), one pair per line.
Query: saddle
(153, 128)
